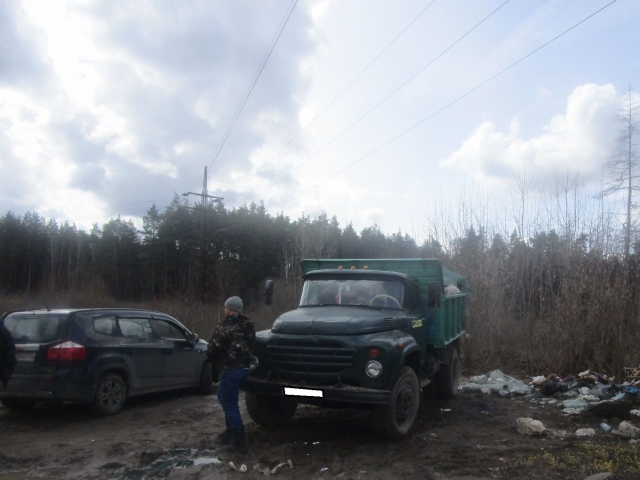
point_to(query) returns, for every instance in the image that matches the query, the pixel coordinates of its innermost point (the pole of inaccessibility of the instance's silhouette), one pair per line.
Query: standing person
(230, 350)
(7, 354)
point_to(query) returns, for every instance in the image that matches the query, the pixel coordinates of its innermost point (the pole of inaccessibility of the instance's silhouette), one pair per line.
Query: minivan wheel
(111, 393)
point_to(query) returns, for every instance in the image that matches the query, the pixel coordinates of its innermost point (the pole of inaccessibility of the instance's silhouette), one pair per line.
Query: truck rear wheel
(396, 419)
(270, 411)
(448, 378)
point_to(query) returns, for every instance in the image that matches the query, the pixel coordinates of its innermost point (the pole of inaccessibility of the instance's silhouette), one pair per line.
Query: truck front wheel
(270, 411)
(396, 419)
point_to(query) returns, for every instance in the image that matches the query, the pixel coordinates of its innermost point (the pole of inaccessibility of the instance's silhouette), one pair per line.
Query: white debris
(574, 411)
(635, 412)
(585, 432)
(575, 403)
(242, 468)
(627, 430)
(280, 465)
(538, 381)
(605, 426)
(529, 426)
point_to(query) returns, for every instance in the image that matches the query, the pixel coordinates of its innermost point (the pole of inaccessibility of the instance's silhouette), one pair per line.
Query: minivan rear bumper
(59, 387)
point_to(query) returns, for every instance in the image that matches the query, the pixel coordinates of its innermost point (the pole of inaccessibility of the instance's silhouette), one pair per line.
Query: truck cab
(366, 333)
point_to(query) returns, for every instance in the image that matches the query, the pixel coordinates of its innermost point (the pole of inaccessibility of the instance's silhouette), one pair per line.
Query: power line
(385, 99)
(450, 103)
(256, 76)
(341, 92)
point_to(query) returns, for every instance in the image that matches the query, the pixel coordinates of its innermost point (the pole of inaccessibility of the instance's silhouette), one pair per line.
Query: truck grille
(311, 359)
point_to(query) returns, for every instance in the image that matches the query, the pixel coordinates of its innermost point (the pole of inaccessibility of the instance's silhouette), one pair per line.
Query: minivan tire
(111, 393)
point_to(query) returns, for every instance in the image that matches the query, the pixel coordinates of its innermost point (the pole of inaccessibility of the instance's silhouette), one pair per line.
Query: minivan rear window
(33, 328)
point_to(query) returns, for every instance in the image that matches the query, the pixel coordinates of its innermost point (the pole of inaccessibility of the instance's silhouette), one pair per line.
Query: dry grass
(196, 316)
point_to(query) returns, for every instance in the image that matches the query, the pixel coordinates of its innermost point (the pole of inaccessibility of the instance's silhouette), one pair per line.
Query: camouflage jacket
(232, 343)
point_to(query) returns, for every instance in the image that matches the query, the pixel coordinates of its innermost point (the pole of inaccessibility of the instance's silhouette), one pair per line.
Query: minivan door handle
(168, 351)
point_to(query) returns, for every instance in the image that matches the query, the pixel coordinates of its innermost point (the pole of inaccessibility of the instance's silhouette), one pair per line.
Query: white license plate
(25, 356)
(303, 392)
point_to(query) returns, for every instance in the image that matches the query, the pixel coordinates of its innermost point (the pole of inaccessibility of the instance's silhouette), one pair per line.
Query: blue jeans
(228, 387)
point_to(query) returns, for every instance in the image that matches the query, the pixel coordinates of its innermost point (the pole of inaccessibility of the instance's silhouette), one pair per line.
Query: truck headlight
(373, 369)
(254, 363)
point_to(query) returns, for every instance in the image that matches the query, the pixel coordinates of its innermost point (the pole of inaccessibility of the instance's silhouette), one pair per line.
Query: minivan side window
(168, 330)
(139, 328)
(105, 325)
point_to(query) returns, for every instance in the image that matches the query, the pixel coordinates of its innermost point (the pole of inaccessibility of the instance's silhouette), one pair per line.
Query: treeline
(549, 297)
(182, 252)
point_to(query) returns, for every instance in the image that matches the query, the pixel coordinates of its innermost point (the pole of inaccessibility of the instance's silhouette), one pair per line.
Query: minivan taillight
(67, 351)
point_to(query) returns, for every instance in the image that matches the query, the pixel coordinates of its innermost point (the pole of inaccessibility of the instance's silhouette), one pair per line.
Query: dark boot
(224, 438)
(240, 440)
(239, 443)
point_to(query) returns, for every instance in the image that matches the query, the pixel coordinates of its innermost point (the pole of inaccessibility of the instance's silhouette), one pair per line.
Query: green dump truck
(373, 333)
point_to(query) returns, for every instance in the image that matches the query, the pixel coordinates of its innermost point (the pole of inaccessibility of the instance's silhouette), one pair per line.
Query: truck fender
(410, 354)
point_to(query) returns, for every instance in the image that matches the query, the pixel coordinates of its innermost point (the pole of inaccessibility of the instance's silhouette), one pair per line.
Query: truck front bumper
(330, 394)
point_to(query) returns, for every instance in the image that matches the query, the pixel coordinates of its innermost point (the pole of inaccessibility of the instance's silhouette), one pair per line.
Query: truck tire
(111, 392)
(396, 419)
(205, 384)
(448, 377)
(270, 411)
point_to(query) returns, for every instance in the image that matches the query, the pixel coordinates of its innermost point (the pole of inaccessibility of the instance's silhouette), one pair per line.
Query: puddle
(207, 461)
(21, 476)
(175, 458)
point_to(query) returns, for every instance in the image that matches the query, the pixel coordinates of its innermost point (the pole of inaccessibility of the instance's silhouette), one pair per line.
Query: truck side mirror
(435, 294)
(268, 292)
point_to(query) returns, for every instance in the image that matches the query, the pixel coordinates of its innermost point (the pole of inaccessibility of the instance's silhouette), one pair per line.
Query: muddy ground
(170, 436)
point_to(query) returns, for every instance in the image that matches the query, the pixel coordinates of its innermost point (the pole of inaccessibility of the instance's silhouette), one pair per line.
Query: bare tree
(624, 161)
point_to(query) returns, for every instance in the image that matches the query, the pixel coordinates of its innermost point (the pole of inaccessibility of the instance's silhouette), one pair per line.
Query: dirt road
(170, 436)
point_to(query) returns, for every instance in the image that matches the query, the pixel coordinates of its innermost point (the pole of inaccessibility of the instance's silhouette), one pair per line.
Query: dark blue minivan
(100, 357)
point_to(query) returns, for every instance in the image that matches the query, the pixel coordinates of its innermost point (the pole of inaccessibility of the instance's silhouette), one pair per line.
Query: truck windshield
(374, 293)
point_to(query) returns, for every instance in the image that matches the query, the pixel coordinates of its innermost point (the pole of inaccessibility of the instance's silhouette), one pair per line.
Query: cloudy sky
(370, 110)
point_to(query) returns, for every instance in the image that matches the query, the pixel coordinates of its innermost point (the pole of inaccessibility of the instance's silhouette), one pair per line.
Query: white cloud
(579, 140)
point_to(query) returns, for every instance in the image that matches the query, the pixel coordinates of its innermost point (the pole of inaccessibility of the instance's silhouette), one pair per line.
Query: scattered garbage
(585, 432)
(605, 426)
(529, 426)
(589, 391)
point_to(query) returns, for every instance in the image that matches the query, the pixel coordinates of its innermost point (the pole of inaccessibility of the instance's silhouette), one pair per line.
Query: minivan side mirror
(268, 292)
(193, 338)
(435, 294)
